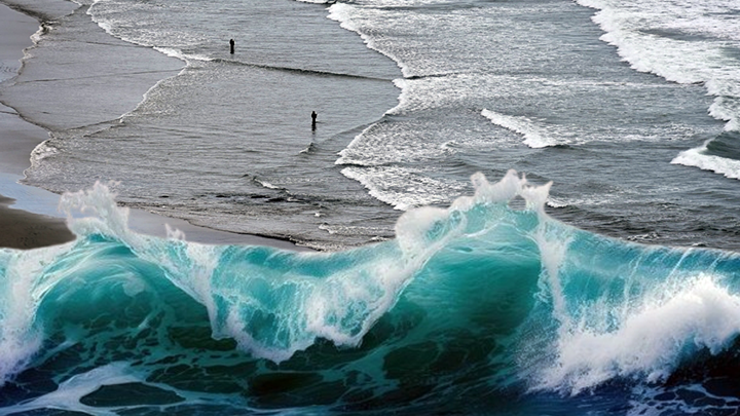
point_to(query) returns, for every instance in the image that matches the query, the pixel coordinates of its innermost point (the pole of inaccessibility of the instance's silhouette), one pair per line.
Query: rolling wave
(468, 306)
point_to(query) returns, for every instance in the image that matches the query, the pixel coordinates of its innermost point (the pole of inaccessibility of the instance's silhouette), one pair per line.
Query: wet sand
(18, 228)
(25, 230)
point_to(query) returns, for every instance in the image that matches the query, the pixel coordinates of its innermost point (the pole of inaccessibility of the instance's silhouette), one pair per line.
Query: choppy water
(629, 108)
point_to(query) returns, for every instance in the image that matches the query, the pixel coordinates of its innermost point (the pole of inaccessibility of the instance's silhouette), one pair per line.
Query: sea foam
(684, 43)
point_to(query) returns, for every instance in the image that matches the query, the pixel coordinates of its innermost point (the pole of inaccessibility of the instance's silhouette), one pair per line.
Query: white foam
(22, 292)
(684, 42)
(650, 338)
(668, 400)
(69, 393)
(535, 136)
(36, 37)
(236, 328)
(177, 53)
(698, 158)
(266, 184)
(348, 304)
(557, 202)
(41, 152)
(631, 27)
(411, 228)
(386, 144)
(109, 26)
(727, 105)
(350, 17)
(402, 188)
(100, 214)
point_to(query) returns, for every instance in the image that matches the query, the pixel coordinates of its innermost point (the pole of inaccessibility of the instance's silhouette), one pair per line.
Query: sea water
(629, 108)
(517, 297)
(478, 308)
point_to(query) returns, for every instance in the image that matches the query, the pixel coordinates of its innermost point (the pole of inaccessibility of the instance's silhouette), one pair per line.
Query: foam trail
(699, 158)
(67, 396)
(686, 43)
(348, 19)
(109, 26)
(377, 180)
(535, 136)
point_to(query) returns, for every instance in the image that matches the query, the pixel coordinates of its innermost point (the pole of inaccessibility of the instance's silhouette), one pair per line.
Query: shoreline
(28, 214)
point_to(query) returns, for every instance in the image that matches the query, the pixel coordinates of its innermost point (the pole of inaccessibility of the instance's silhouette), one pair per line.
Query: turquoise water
(486, 306)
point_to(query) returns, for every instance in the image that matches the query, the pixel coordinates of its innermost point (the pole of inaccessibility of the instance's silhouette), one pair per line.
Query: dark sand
(24, 230)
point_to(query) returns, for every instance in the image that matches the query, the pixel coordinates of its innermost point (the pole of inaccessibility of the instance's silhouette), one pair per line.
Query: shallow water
(486, 87)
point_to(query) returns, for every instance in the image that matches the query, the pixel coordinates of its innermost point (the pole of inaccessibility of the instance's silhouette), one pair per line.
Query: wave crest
(556, 308)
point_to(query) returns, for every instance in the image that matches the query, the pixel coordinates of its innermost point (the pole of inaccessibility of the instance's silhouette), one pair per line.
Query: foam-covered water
(519, 66)
(692, 42)
(565, 91)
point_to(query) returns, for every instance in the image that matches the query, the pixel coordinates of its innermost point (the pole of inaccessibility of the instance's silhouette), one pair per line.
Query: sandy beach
(28, 216)
(20, 229)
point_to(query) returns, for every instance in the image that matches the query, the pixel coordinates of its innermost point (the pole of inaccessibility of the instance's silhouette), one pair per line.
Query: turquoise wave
(481, 306)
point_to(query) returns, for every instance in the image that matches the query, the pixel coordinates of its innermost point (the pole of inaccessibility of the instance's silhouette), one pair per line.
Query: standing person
(313, 120)
(231, 43)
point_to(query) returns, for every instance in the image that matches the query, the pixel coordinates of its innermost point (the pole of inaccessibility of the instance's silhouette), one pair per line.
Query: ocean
(524, 207)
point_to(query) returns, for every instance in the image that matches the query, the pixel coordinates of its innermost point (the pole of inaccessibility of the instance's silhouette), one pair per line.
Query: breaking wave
(467, 306)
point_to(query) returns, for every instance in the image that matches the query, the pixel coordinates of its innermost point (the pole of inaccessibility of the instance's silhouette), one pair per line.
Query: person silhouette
(231, 43)
(313, 120)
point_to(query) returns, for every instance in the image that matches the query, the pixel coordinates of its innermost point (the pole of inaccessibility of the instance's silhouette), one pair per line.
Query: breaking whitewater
(487, 306)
